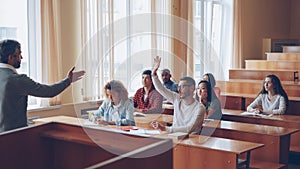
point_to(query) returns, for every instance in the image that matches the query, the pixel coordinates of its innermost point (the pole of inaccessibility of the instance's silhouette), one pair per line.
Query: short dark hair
(189, 80)
(147, 72)
(8, 47)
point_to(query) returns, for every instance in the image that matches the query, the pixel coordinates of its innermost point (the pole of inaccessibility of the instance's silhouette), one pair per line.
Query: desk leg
(248, 160)
(244, 162)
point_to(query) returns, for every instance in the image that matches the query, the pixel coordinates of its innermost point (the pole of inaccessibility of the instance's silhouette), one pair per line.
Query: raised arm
(169, 95)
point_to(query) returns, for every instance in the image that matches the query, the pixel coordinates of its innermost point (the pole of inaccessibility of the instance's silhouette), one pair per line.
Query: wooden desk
(275, 139)
(287, 121)
(144, 121)
(58, 145)
(139, 121)
(168, 109)
(201, 152)
(187, 152)
(240, 101)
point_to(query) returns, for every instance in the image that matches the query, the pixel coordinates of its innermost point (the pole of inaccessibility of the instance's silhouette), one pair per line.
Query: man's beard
(17, 65)
(187, 94)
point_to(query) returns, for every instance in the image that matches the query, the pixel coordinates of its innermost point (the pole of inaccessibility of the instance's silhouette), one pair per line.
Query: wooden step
(266, 165)
(291, 49)
(266, 64)
(254, 87)
(283, 75)
(283, 56)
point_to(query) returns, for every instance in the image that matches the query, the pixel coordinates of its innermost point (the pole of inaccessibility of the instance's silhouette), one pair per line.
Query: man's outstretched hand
(75, 76)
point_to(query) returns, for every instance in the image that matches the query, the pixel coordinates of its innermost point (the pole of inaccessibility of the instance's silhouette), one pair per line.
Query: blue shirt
(171, 85)
(122, 114)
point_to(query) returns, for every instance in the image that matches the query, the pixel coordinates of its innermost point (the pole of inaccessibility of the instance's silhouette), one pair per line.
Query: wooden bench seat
(291, 49)
(254, 87)
(265, 165)
(284, 75)
(283, 56)
(240, 101)
(266, 64)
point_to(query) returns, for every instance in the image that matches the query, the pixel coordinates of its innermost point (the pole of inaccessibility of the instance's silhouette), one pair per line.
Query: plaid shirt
(152, 104)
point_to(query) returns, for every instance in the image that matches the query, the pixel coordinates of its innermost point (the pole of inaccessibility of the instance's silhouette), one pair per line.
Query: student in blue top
(117, 108)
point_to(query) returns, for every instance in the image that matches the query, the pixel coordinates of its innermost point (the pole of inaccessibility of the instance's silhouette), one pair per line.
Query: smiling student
(188, 112)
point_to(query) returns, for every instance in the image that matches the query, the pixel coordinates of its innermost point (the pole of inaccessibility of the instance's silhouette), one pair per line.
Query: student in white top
(188, 112)
(272, 99)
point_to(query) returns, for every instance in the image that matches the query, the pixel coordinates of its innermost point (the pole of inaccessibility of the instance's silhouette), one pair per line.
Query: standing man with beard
(188, 113)
(15, 88)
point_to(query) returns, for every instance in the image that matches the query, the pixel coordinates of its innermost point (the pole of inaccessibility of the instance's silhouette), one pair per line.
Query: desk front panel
(287, 121)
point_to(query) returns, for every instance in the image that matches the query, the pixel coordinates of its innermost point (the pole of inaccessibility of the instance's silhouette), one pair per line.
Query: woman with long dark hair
(272, 98)
(206, 95)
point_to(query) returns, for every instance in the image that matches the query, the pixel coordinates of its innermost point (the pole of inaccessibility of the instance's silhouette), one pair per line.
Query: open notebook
(256, 114)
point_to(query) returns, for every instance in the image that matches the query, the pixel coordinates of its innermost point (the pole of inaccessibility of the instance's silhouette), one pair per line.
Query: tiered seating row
(283, 56)
(254, 87)
(245, 84)
(285, 75)
(272, 64)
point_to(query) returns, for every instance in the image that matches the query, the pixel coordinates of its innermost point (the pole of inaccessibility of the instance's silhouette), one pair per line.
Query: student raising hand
(156, 65)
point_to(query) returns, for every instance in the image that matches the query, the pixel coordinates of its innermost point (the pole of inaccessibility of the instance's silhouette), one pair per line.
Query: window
(213, 38)
(121, 41)
(21, 22)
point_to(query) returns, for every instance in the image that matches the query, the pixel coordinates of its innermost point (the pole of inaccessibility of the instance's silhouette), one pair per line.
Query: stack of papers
(144, 132)
(139, 114)
(256, 114)
(178, 135)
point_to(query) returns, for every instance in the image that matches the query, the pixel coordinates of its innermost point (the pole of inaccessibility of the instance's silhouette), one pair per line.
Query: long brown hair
(278, 89)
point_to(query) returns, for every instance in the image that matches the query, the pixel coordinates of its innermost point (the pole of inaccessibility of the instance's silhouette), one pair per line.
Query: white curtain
(213, 37)
(121, 38)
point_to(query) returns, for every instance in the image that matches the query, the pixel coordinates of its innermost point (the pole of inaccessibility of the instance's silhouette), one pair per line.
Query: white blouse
(275, 106)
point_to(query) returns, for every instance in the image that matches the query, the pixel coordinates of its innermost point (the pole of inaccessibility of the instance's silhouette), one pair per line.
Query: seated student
(211, 79)
(208, 98)
(272, 99)
(167, 82)
(188, 112)
(117, 108)
(147, 99)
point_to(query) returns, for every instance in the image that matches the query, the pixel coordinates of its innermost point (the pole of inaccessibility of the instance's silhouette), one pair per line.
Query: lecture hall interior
(239, 41)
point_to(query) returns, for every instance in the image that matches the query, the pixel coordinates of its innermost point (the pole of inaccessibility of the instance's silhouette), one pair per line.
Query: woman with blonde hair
(117, 108)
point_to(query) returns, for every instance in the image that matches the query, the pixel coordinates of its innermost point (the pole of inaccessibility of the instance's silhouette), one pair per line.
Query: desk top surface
(285, 118)
(215, 143)
(250, 128)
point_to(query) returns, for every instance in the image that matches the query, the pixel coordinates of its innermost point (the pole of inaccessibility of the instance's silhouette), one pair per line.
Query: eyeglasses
(183, 86)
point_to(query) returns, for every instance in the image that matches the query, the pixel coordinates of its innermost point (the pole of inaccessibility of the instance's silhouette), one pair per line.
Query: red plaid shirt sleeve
(152, 104)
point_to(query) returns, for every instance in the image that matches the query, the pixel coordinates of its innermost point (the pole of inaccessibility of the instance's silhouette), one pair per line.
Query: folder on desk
(256, 114)
(178, 135)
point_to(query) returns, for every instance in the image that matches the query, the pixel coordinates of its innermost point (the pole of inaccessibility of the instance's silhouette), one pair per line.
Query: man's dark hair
(147, 72)
(8, 47)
